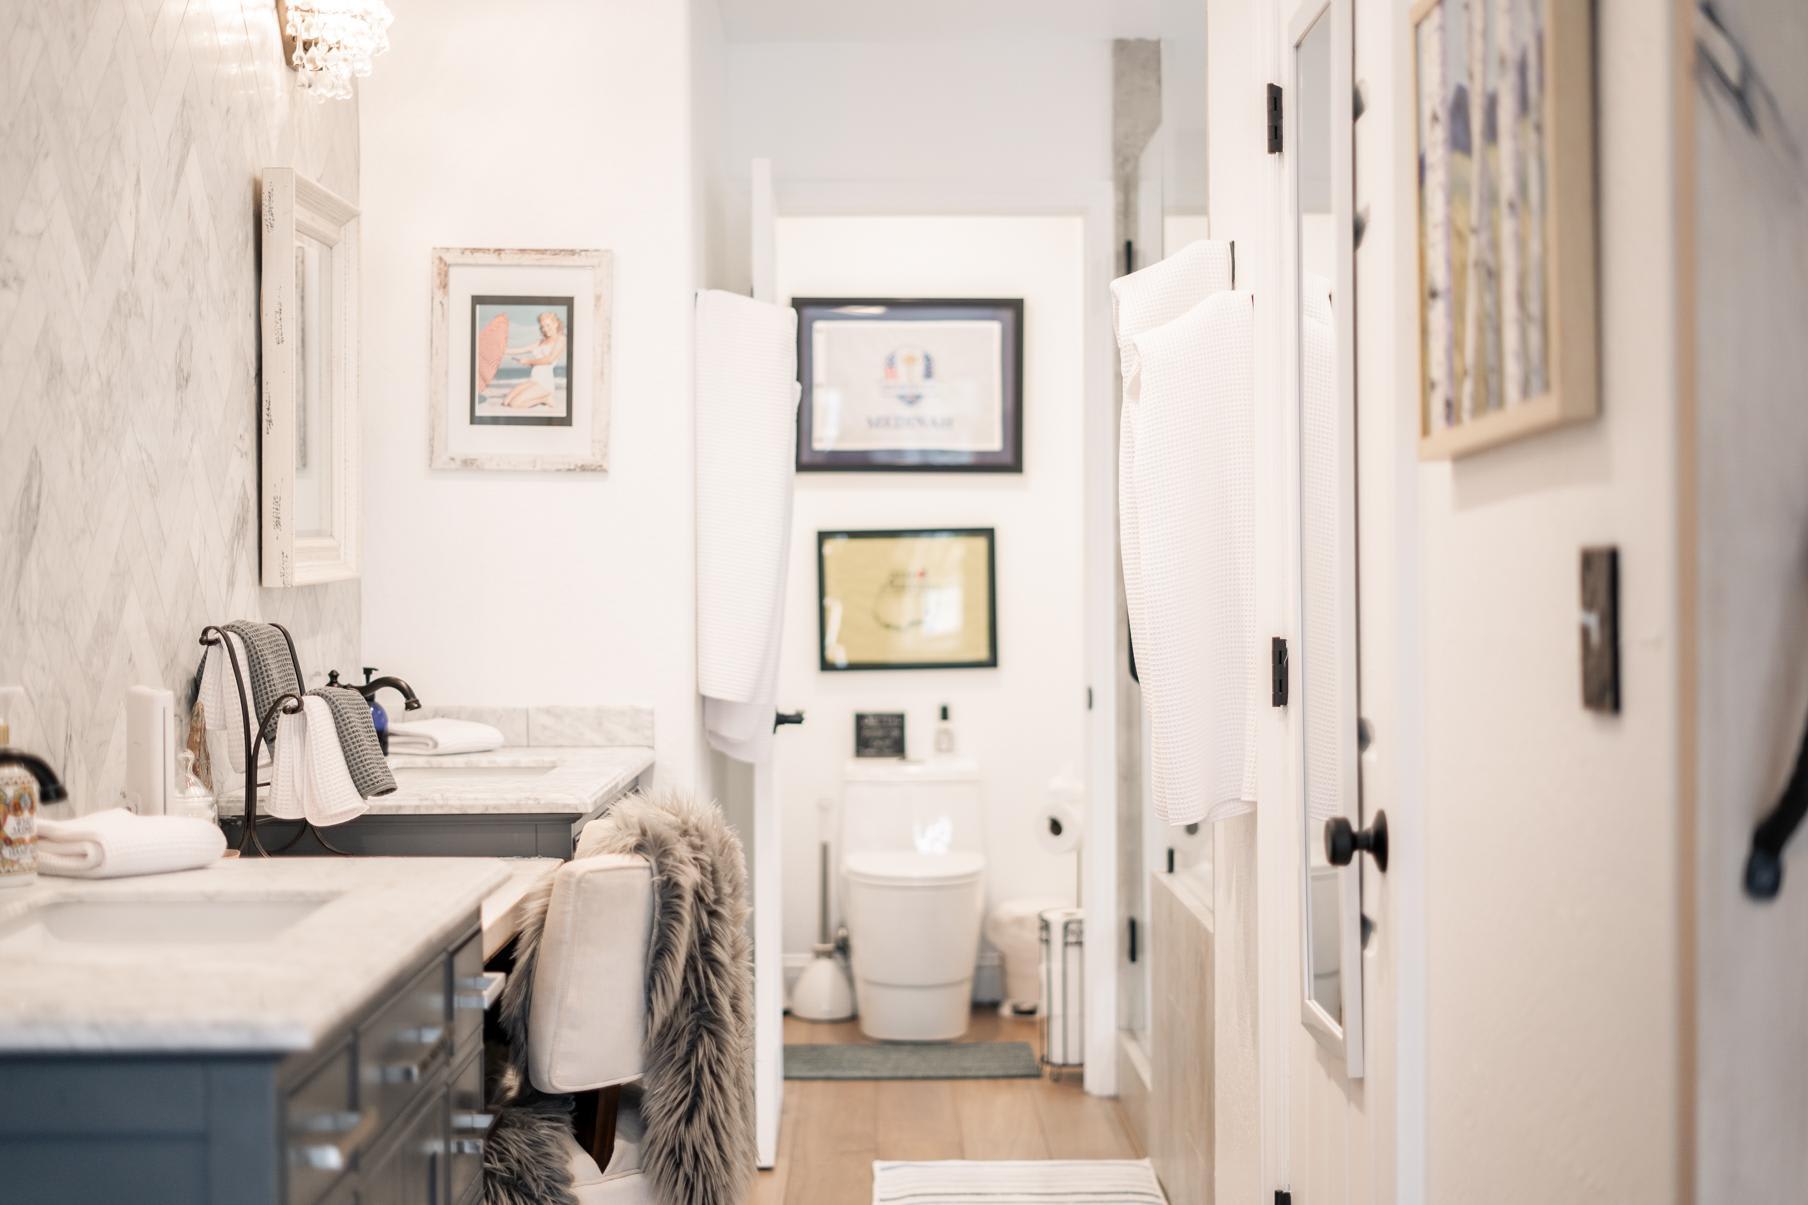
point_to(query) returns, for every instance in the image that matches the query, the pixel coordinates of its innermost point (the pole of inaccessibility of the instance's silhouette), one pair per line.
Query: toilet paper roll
(1058, 827)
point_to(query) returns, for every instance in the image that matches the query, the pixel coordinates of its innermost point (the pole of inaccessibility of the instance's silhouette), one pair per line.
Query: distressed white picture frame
(455, 443)
(293, 207)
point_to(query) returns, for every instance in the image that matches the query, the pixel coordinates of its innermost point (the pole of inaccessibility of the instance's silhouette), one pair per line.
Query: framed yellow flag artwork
(907, 599)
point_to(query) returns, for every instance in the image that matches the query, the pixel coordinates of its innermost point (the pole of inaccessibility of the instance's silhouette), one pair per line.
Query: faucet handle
(332, 677)
(369, 671)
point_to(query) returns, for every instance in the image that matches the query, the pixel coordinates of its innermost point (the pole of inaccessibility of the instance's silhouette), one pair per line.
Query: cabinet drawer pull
(479, 991)
(473, 1121)
(330, 1123)
(413, 1073)
(466, 1146)
(319, 1156)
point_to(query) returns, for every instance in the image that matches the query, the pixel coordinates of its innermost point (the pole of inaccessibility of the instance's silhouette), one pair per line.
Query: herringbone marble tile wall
(131, 135)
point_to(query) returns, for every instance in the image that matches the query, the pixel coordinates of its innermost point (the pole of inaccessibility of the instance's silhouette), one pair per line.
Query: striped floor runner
(1030, 1182)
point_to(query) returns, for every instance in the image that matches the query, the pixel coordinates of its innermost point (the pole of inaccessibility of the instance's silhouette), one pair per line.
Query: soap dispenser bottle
(944, 735)
(379, 718)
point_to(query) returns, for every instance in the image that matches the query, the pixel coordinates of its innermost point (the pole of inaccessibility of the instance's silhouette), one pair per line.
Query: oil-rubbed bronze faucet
(379, 718)
(50, 788)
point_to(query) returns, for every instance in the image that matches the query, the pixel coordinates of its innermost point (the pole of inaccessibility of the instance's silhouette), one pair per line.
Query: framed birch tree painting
(1505, 123)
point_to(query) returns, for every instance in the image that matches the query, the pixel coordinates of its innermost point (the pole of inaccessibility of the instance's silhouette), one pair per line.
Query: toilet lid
(903, 866)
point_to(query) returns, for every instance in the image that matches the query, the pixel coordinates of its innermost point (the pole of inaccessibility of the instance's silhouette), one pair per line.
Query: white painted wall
(1024, 720)
(1552, 848)
(535, 588)
(968, 114)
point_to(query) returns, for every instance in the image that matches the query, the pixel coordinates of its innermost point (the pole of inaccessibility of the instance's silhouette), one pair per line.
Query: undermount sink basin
(159, 921)
(452, 777)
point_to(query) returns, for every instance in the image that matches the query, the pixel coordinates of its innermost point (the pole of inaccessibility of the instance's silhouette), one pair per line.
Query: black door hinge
(1274, 119)
(1282, 1197)
(1133, 939)
(1278, 666)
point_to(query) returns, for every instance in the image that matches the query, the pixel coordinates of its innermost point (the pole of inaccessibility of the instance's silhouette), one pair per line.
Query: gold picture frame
(1521, 215)
(908, 599)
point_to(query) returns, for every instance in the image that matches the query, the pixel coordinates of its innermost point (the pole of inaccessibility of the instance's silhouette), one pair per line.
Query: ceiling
(930, 20)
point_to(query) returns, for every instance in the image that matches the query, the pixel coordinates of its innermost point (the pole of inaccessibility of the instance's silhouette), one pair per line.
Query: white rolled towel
(443, 735)
(116, 844)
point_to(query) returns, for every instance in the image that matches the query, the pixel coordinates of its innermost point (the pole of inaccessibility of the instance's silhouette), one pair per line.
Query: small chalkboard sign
(878, 734)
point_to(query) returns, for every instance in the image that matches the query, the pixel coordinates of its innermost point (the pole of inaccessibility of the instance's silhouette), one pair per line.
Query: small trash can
(1012, 928)
(1062, 934)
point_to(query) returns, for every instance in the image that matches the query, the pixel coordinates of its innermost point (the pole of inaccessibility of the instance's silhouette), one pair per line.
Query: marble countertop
(502, 907)
(246, 992)
(514, 779)
(529, 778)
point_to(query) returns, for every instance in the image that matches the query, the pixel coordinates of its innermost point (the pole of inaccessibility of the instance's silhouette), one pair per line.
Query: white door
(1344, 698)
(768, 902)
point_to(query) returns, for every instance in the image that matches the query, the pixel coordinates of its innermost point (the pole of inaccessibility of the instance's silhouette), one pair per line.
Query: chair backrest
(588, 1015)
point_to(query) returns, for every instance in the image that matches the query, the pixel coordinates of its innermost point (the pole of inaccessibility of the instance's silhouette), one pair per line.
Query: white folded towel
(1194, 490)
(116, 843)
(220, 696)
(311, 779)
(438, 736)
(1140, 302)
(746, 394)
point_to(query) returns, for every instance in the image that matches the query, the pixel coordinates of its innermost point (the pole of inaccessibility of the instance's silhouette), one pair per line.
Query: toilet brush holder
(824, 992)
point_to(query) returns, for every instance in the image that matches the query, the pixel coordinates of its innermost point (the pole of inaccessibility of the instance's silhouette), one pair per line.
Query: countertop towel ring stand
(287, 704)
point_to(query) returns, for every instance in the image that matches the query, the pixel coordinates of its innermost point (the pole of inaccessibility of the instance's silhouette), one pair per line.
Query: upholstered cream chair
(588, 1017)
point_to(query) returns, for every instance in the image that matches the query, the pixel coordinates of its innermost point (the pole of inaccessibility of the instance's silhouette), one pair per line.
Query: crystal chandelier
(329, 42)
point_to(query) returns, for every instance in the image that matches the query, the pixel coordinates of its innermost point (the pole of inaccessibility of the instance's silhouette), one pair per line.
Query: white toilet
(914, 891)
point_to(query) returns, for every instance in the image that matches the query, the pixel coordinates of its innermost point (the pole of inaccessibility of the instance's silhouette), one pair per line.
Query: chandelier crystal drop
(333, 42)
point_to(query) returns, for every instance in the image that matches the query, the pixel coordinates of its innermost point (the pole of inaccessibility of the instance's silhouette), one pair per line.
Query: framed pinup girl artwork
(520, 372)
(899, 385)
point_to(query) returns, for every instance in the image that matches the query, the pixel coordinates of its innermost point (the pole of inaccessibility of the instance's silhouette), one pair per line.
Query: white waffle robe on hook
(1140, 302)
(747, 391)
(1193, 485)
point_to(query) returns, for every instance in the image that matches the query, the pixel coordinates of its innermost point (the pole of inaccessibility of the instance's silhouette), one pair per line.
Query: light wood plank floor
(832, 1130)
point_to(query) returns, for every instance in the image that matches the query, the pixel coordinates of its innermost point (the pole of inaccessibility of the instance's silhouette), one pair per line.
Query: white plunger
(823, 992)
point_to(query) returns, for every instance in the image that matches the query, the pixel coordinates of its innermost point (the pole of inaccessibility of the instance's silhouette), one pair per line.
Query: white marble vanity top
(527, 778)
(514, 779)
(360, 922)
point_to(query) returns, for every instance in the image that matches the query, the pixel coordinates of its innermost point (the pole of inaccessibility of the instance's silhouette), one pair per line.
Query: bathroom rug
(913, 1060)
(1024, 1182)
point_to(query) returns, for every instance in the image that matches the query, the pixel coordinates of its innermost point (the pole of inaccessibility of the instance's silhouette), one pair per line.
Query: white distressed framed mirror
(308, 400)
(1320, 279)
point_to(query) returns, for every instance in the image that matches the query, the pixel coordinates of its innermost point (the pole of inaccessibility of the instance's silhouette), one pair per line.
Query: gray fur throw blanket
(696, 1090)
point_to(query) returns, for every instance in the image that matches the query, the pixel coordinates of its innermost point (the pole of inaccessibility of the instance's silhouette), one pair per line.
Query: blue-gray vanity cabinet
(387, 1111)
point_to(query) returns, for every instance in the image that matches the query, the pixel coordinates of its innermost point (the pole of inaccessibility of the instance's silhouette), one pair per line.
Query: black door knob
(1343, 842)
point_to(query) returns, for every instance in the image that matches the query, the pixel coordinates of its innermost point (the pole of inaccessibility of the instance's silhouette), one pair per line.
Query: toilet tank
(927, 806)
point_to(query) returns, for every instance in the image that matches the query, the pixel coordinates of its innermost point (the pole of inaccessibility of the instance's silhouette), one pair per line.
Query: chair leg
(594, 1123)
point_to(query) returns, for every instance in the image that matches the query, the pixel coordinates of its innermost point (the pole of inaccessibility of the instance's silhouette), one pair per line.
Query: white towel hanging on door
(747, 391)
(1140, 302)
(1193, 487)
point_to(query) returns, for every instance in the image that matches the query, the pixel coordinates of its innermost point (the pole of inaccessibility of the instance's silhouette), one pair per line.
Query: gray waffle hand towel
(273, 671)
(358, 740)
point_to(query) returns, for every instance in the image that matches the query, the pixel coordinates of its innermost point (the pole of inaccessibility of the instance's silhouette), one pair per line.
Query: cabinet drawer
(322, 1128)
(402, 1046)
(470, 1122)
(409, 1172)
(468, 986)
